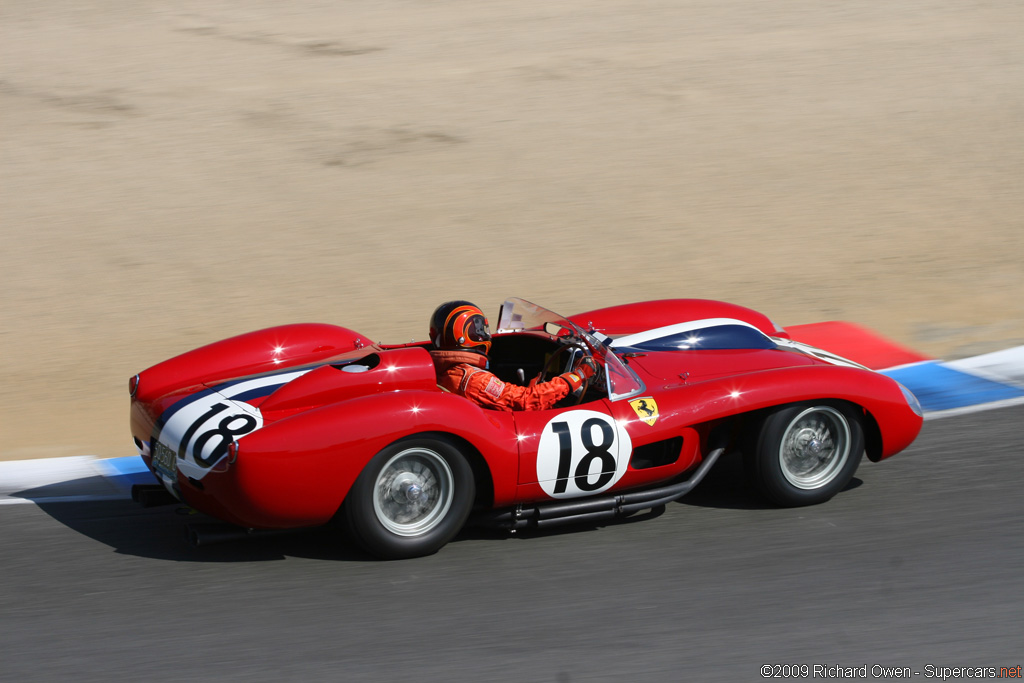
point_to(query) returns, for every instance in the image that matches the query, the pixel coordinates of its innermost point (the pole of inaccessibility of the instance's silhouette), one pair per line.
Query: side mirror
(555, 330)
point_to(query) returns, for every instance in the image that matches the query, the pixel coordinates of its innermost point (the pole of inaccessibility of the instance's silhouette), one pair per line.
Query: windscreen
(519, 314)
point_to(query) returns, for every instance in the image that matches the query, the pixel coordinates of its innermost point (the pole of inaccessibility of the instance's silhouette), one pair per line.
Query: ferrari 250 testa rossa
(309, 424)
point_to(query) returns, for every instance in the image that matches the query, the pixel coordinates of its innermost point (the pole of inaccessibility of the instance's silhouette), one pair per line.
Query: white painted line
(61, 499)
(19, 475)
(1005, 366)
(73, 478)
(978, 408)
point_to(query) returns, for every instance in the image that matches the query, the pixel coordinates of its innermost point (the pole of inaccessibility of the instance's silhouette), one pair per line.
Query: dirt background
(173, 173)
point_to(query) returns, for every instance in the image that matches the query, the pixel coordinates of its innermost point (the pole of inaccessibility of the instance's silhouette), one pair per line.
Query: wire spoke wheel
(815, 447)
(411, 498)
(413, 492)
(805, 453)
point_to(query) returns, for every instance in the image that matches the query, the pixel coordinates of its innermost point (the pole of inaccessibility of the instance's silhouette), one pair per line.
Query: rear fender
(263, 350)
(401, 369)
(297, 471)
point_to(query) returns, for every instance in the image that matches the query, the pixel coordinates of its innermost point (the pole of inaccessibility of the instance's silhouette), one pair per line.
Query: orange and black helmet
(460, 325)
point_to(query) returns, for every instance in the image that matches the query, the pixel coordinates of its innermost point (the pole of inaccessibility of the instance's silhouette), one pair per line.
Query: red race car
(306, 424)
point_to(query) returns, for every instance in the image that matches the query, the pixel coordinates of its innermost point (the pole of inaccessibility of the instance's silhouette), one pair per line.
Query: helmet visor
(477, 330)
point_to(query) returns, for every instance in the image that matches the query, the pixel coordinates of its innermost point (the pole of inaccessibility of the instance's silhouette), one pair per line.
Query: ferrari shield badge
(646, 409)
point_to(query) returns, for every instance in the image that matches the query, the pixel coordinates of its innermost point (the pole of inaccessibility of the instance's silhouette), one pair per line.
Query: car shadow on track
(480, 532)
(162, 532)
(726, 487)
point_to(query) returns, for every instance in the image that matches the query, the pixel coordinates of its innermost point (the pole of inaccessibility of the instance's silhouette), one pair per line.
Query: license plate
(165, 461)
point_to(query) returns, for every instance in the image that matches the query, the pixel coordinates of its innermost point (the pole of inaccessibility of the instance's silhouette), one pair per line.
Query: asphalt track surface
(917, 563)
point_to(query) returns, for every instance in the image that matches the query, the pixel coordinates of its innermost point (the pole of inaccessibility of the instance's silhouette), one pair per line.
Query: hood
(715, 347)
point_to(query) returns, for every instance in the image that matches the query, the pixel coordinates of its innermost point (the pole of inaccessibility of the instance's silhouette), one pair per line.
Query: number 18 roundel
(581, 452)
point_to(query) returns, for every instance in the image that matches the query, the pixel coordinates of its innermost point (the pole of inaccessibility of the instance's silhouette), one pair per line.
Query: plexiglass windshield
(518, 315)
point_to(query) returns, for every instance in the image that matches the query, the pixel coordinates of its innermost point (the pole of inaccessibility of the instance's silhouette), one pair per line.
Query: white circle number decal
(581, 452)
(207, 439)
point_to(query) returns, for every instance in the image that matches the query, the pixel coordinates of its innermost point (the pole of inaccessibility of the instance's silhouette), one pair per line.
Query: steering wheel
(553, 362)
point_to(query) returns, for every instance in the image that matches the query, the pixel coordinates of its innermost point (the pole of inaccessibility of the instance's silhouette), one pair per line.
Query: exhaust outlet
(214, 533)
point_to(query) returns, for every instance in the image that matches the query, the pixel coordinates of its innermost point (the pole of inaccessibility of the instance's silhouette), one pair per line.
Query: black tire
(805, 453)
(411, 499)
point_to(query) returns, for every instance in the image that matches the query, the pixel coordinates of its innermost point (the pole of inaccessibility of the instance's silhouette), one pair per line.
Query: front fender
(297, 471)
(647, 315)
(878, 395)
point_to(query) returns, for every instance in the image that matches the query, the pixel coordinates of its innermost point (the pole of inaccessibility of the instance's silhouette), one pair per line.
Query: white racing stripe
(677, 328)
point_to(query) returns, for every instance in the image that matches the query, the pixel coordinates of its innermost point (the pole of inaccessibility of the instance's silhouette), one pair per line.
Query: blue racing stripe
(258, 392)
(938, 387)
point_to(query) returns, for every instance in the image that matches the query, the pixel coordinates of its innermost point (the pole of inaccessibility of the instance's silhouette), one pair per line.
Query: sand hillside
(173, 173)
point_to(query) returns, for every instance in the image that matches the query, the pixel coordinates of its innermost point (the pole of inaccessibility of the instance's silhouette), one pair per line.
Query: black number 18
(224, 433)
(594, 451)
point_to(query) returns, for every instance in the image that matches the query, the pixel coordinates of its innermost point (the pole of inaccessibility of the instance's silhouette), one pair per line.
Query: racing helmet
(460, 325)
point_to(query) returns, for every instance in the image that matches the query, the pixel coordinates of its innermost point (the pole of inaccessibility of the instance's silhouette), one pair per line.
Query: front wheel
(411, 499)
(807, 452)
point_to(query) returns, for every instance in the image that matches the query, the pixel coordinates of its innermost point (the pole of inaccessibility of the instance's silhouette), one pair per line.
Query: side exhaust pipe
(600, 509)
(204, 534)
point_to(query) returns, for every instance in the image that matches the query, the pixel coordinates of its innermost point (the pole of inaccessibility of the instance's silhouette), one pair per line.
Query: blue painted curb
(939, 387)
(126, 472)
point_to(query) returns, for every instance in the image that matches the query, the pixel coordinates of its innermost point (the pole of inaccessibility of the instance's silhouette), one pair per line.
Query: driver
(460, 335)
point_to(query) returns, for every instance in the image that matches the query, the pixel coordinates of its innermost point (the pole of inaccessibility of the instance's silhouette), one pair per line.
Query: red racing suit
(464, 373)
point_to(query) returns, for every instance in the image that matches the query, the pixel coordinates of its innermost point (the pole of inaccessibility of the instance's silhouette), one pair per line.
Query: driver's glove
(586, 366)
(581, 374)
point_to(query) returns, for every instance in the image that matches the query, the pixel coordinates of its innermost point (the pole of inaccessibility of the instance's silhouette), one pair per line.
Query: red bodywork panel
(248, 354)
(698, 366)
(647, 315)
(856, 343)
(279, 482)
(307, 406)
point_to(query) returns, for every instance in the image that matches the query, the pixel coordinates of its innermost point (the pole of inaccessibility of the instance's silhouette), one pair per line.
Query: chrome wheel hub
(815, 447)
(407, 489)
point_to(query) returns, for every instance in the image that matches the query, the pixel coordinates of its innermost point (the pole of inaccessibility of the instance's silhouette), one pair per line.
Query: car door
(570, 452)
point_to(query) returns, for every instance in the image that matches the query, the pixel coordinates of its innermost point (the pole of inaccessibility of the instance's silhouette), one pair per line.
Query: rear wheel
(411, 499)
(806, 453)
